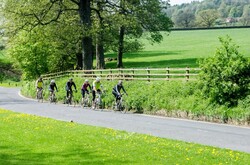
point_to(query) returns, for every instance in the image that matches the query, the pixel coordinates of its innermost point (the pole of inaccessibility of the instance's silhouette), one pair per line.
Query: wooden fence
(148, 74)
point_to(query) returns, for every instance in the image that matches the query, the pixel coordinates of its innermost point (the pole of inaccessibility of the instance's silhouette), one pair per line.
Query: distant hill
(210, 13)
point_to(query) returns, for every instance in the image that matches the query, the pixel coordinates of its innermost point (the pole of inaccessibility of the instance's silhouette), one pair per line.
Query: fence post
(167, 72)
(187, 73)
(110, 72)
(148, 74)
(133, 73)
(120, 73)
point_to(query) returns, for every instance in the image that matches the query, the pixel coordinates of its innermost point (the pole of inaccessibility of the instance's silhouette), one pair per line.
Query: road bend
(211, 134)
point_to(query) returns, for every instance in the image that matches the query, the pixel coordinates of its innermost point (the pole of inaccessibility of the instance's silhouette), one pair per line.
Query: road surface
(218, 135)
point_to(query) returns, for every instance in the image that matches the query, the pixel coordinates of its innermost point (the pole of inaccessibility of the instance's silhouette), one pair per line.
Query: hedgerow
(168, 98)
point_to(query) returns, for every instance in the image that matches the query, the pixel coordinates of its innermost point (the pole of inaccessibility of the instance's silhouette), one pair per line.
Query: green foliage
(236, 10)
(206, 18)
(30, 55)
(226, 76)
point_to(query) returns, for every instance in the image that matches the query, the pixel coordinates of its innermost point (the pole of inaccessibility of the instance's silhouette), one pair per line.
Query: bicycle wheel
(82, 103)
(39, 96)
(122, 109)
(54, 99)
(85, 101)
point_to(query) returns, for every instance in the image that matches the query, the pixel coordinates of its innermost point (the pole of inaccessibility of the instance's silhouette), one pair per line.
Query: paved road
(219, 135)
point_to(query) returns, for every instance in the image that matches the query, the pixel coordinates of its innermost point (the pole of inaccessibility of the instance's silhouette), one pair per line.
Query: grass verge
(28, 139)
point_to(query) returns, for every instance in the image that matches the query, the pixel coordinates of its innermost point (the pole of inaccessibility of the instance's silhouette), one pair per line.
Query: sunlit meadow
(28, 139)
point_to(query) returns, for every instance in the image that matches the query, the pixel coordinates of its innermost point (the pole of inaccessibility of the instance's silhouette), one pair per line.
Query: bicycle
(119, 104)
(85, 100)
(40, 94)
(98, 100)
(70, 98)
(52, 97)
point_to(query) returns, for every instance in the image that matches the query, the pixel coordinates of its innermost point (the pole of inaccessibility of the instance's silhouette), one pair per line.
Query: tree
(184, 19)
(226, 76)
(206, 18)
(31, 14)
(138, 16)
(245, 19)
(32, 54)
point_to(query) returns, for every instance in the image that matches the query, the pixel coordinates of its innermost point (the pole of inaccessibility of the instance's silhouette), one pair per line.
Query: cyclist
(39, 85)
(69, 85)
(116, 90)
(52, 87)
(85, 87)
(96, 88)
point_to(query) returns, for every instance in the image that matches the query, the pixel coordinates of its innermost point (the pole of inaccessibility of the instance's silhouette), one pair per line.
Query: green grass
(28, 139)
(183, 48)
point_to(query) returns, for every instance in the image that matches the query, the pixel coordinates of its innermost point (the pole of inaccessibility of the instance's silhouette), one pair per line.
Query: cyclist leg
(93, 99)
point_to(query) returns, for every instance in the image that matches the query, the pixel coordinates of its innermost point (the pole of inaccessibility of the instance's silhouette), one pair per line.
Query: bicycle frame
(98, 100)
(119, 104)
(52, 97)
(86, 100)
(40, 94)
(70, 99)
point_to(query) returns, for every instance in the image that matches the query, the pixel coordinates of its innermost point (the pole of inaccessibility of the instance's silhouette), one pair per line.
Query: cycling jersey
(52, 87)
(39, 84)
(85, 86)
(97, 85)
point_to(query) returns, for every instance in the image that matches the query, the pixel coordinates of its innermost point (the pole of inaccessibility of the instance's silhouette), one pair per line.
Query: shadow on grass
(74, 155)
(152, 54)
(174, 63)
(146, 54)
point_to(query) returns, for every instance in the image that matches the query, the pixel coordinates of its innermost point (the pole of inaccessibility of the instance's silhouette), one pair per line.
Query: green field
(28, 139)
(183, 48)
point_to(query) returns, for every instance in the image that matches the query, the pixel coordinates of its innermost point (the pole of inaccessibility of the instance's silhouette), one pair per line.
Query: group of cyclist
(86, 88)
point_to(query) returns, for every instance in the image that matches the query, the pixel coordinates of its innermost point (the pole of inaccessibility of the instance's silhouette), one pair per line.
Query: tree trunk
(79, 61)
(120, 47)
(85, 15)
(100, 63)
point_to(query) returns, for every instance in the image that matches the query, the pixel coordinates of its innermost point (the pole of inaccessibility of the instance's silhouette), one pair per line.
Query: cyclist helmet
(52, 81)
(98, 79)
(71, 79)
(86, 80)
(120, 82)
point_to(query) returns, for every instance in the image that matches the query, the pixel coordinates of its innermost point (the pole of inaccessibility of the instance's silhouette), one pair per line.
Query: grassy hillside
(183, 48)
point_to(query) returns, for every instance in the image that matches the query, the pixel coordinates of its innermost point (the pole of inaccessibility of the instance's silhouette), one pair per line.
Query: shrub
(226, 76)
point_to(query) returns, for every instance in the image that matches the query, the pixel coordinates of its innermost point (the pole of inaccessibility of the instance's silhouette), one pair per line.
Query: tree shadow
(73, 155)
(146, 54)
(173, 63)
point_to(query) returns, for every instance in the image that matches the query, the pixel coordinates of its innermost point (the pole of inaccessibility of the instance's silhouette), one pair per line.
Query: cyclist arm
(74, 85)
(124, 90)
(89, 87)
(56, 87)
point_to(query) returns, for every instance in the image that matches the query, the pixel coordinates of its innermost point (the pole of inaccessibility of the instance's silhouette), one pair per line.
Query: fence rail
(148, 74)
